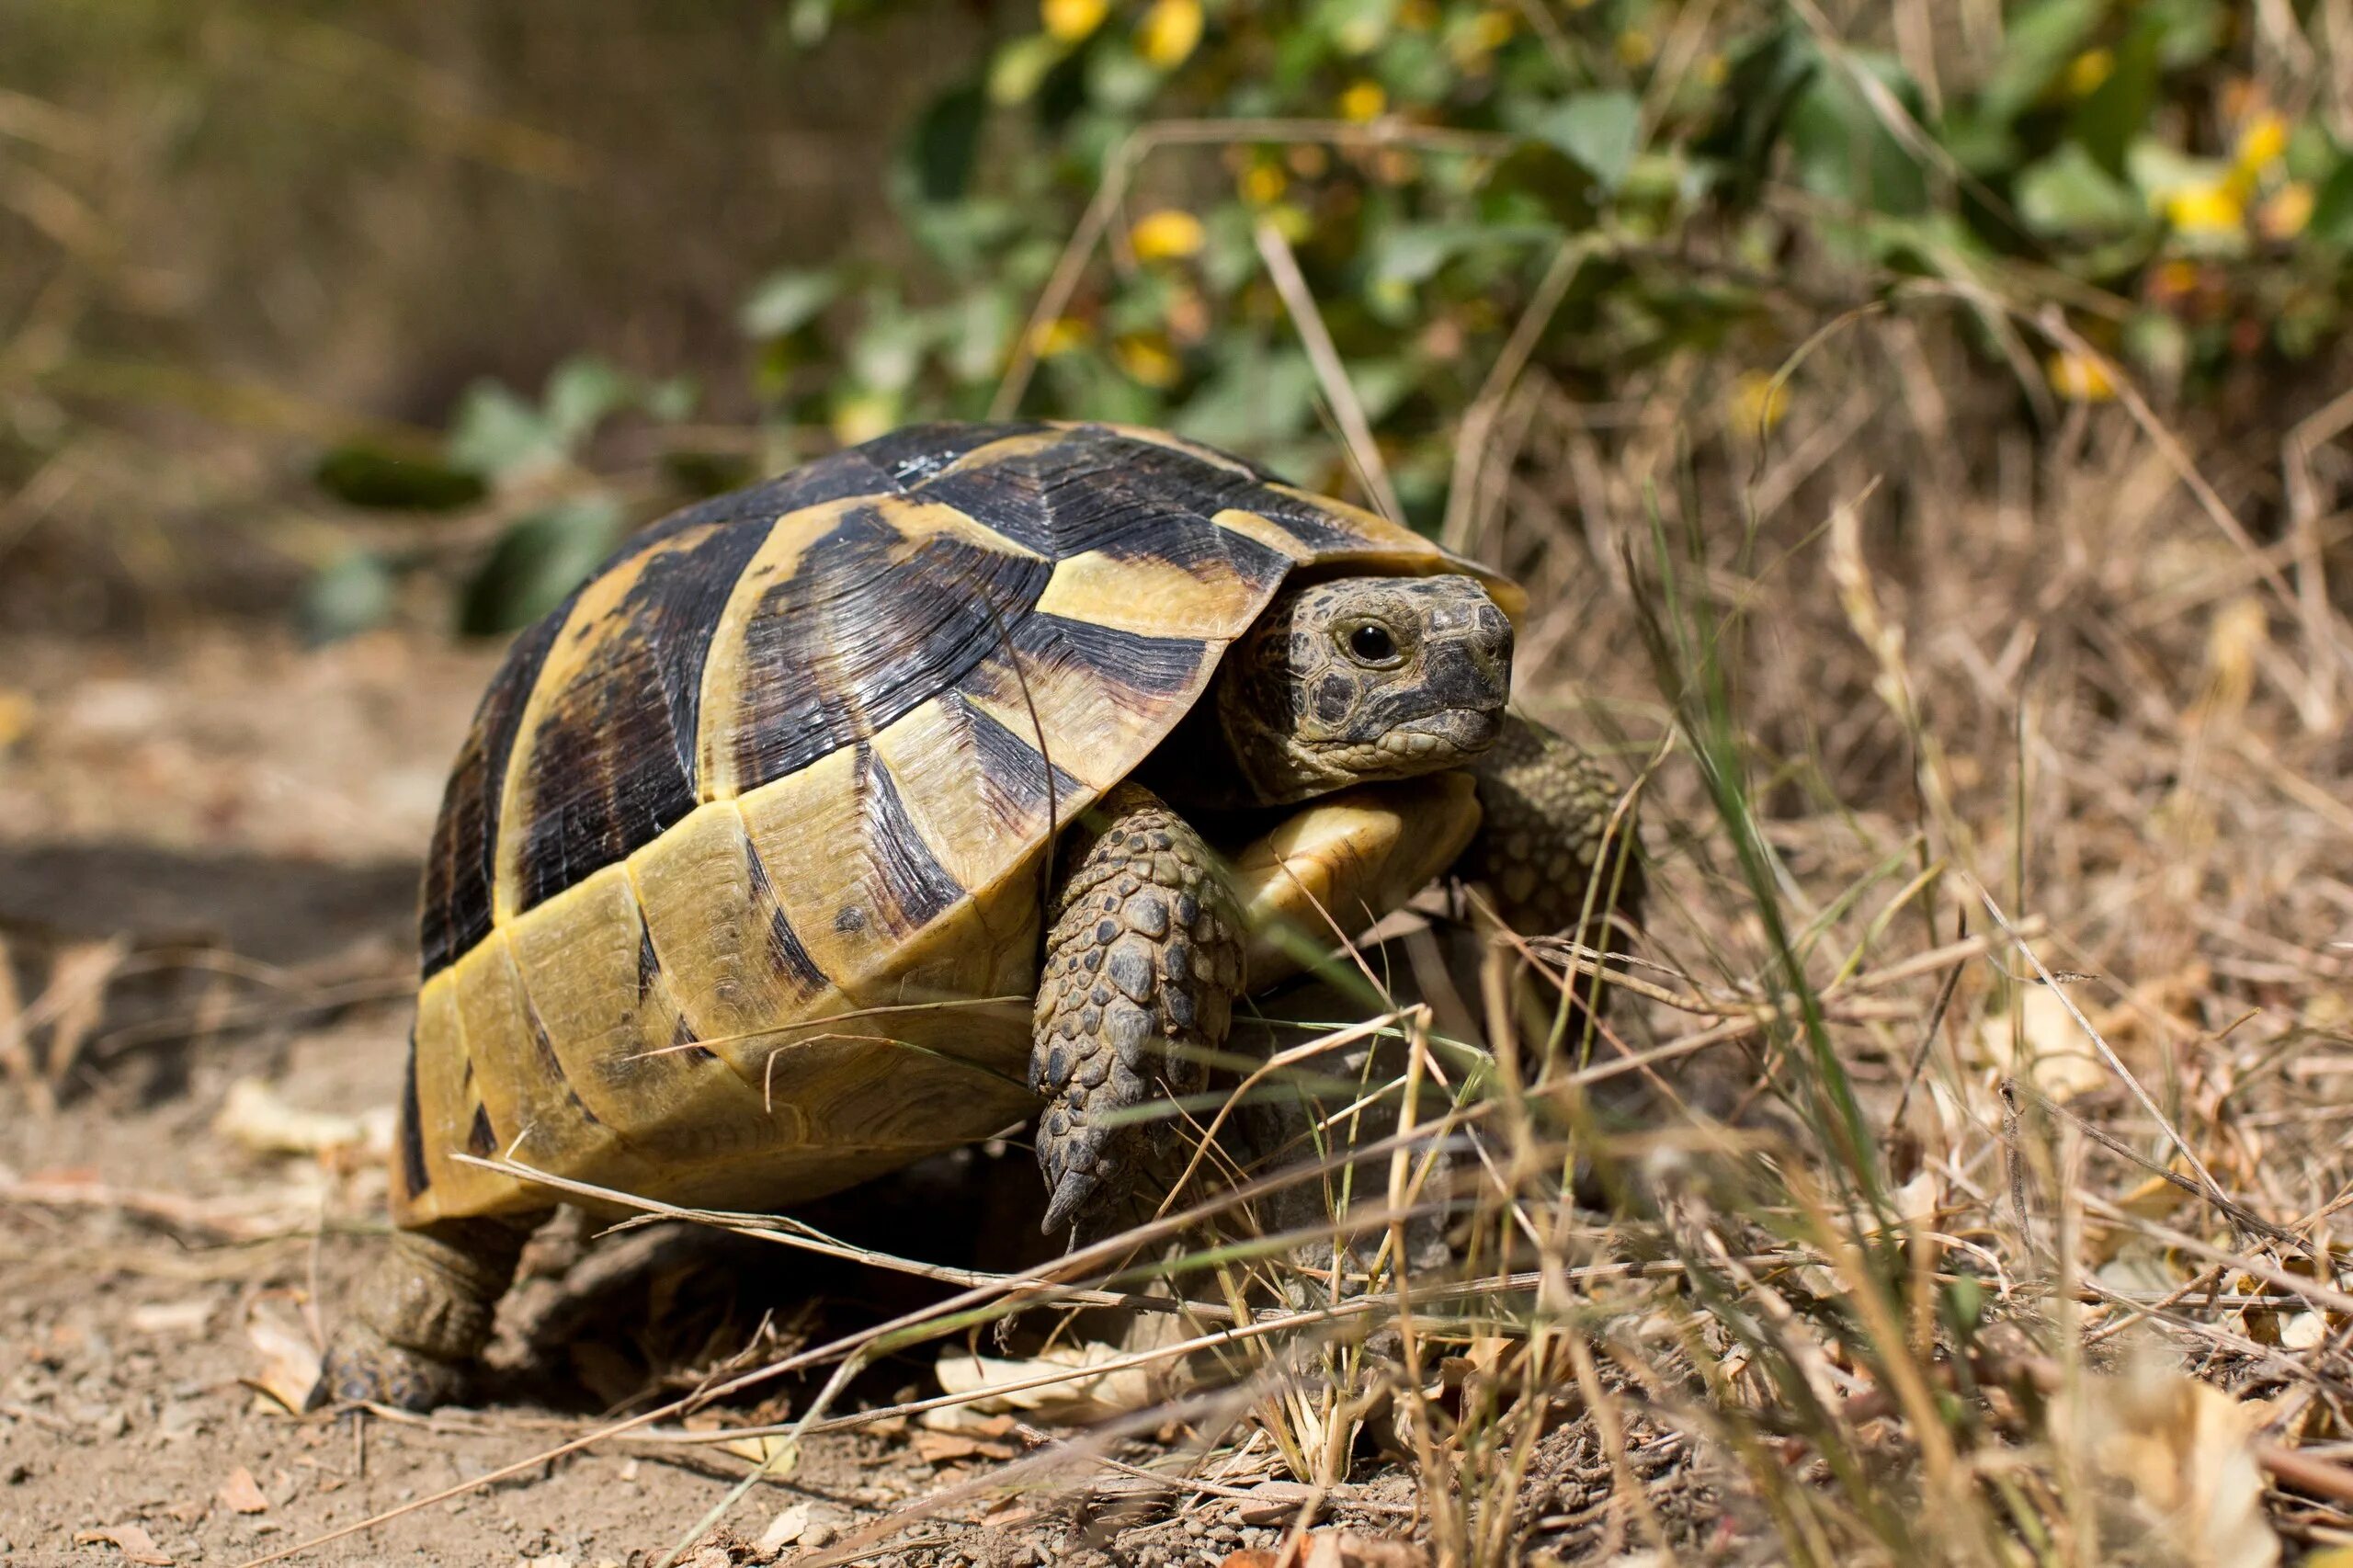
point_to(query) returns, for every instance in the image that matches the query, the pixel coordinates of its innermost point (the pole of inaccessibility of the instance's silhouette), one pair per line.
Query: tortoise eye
(1370, 642)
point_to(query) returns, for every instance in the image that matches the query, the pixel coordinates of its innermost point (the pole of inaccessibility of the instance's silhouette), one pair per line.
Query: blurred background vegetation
(358, 312)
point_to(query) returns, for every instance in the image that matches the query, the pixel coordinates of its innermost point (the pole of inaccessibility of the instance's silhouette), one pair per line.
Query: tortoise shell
(734, 893)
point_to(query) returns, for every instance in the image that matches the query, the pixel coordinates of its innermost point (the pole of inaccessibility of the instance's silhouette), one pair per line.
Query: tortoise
(846, 818)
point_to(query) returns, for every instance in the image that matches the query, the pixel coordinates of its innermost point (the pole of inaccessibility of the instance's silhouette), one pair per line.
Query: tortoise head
(1355, 679)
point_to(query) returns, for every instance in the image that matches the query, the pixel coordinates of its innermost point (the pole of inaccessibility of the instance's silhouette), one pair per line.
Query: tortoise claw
(362, 1367)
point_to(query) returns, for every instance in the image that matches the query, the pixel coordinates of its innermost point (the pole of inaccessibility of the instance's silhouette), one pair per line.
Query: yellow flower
(1071, 20)
(2078, 378)
(1636, 49)
(1061, 335)
(2089, 70)
(2284, 215)
(2175, 279)
(16, 717)
(863, 416)
(1363, 100)
(1756, 404)
(1169, 32)
(1165, 235)
(1146, 357)
(1263, 183)
(1485, 33)
(2208, 208)
(2261, 142)
(1713, 70)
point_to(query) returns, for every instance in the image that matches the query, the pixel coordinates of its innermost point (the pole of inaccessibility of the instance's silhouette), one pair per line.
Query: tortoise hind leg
(424, 1312)
(1142, 964)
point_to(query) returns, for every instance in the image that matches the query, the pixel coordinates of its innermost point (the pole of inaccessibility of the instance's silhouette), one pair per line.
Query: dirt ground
(206, 886)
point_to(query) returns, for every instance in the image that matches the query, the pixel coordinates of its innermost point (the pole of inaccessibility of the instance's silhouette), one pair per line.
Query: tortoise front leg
(1144, 960)
(424, 1312)
(1545, 835)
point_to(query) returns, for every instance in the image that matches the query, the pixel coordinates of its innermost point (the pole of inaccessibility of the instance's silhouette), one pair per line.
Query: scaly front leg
(1546, 833)
(1144, 960)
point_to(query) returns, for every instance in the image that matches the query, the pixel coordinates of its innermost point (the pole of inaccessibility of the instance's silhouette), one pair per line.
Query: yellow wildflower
(1290, 222)
(1364, 101)
(1263, 183)
(2089, 70)
(1169, 32)
(1061, 335)
(1147, 359)
(1713, 70)
(2175, 279)
(2207, 208)
(1361, 33)
(2078, 378)
(1071, 20)
(1164, 235)
(1636, 49)
(861, 416)
(2261, 142)
(2285, 213)
(1755, 403)
(16, 717)
(1481, 37)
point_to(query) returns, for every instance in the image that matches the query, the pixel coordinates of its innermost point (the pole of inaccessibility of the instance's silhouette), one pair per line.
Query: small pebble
(819, 1533)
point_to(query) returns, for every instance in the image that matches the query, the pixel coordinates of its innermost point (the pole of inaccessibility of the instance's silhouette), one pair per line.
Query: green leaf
(786, 302)
(495, 433)
(2118, 109)
(2036, 43)
(2332, 220)
(1020, 67)
(350, 594)
(945, 143)
(581, 392)
(1256, 398)
(1601, 129)
(537, 561)
(2068, 193)
(360, 475)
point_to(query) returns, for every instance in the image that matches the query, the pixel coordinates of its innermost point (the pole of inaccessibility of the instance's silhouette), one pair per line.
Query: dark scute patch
(456, 911)
(649, 964)
(1145, 669)
(867, 628)
(1013, 777)
(412, 1168)
(1095, 491)
(1310, 524)
(917, 452)
(788, 960)
(687, 1043)
(909, 886)
(612, 759)
(543, 1052)
(482, 1142)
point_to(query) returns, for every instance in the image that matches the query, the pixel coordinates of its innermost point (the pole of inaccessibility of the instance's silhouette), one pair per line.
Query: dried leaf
(135, 1544)
(76, 1000)
(945, 1448)
(190, 1317)
(256, 1118)
(783, 1530)
(290, 1361)
(2049, 1050)
(2180, 1451)
(1339, 1549)
(773, 1452)
(1078, 1399)
(242, 1493)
